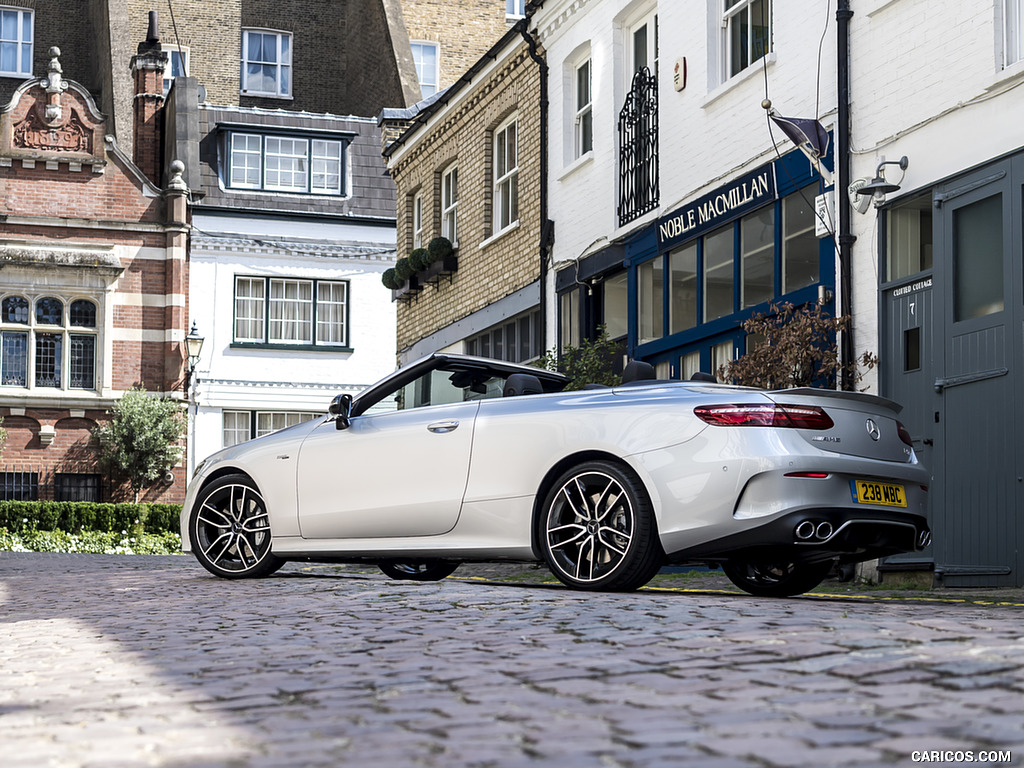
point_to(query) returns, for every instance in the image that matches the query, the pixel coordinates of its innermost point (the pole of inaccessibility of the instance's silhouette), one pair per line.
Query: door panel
(399, 473)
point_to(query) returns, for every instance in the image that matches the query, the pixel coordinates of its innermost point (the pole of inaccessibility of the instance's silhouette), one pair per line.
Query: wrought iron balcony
(639, 189)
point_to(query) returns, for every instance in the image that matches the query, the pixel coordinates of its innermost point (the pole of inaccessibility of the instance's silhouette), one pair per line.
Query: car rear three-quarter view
(455, 459)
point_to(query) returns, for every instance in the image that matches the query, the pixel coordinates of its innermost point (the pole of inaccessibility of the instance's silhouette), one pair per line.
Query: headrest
(637, 370)
(522, 384)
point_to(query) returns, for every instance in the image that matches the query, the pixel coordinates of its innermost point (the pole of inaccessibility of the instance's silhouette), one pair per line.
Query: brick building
(93, 275)
(467, 166)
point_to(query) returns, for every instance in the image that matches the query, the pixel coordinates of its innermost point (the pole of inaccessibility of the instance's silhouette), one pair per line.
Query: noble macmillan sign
(724, 204)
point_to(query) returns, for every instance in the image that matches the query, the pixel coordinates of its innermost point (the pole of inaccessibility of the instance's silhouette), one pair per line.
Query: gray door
(978, 321)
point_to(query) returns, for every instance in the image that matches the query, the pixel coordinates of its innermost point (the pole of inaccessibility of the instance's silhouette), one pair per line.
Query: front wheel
(598, 530)
(418, 570)
(230, 530)
(783, 579)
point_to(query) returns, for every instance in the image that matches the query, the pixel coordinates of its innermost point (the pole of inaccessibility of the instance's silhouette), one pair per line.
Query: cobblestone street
(132, 661)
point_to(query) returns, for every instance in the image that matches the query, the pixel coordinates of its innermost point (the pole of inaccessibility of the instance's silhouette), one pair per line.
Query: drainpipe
(846, 240)
(547, 227)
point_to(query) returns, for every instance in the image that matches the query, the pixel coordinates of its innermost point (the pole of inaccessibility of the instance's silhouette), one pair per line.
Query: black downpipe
(547, 227)
(846, 240)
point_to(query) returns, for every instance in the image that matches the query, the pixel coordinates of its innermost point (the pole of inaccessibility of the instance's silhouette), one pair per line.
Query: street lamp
(193, 348)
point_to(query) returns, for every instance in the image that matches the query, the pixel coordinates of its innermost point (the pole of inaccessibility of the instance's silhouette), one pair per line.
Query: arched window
(39, 350)
(49, 311)
(83, 314)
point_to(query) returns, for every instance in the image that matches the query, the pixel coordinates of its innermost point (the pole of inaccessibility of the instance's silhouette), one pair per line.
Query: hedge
(76, 516)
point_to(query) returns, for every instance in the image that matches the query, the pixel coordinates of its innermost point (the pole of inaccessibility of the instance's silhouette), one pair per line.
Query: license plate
(886, 494)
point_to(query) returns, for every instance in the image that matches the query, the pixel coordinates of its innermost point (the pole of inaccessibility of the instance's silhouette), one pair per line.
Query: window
(73, 486)
(240, 426)
(15, 42)
(584, 141)
(506, 176)
(682, 308)
(909, 237)
(51, 347)
(978, 259)
(757, 257)
(291, 312)
(517, 340)
(718, 274)
(799, 243)
(515, 9)
(417, 220)
(425, 56)
(746, 25)
(299, 164)
(450, 204)
(689, 364)
(1013, 31)
(721, 355)
(569, 315)
(19, 486)
(177, 64)
(643, 47)
(651, 300)
(266, 63)
(615, 305)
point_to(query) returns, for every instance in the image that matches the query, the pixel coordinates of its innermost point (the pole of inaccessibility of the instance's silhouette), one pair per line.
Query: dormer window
(277, 163)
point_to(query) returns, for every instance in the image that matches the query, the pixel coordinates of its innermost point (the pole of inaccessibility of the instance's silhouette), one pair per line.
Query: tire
(597, 530)
(230, 530)
(418, 570)
(784, 579)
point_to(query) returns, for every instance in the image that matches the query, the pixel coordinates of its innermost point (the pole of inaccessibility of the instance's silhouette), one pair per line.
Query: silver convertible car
(454, 459)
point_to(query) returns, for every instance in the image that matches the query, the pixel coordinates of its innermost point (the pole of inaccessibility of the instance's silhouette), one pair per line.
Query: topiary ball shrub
(403, 270)
(420, 259)
(440, 248)
(389, 279)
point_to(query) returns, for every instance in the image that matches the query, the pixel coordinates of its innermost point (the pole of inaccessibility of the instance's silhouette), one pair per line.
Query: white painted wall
(285, 379)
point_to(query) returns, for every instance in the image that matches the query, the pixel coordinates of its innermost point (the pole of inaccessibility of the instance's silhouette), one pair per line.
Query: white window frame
(515, 9)
(1013, 32)
(417, 220)
(282, 65)
(650, 59)
(282, 307)
(506, 176)
(23, 42)
(583, 123)
(450, 204)
(242, 426)
(731, 10)
(233, 432)
(278, 160)
(181, 54)
(430, 79)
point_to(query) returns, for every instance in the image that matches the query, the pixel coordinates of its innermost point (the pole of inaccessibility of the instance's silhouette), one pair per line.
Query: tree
(794, 347)
(592, 362)
(140, 442)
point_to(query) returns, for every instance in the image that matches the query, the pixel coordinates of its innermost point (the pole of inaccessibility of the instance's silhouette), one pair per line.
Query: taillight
(757, 415)
(904, 434)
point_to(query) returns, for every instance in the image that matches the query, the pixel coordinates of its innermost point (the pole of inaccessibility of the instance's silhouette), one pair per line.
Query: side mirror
(340, 410)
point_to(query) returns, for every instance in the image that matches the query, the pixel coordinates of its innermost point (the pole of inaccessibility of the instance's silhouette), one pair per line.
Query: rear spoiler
(859, 397)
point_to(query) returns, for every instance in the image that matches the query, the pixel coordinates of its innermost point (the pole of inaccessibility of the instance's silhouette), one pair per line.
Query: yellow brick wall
(465, 30)
(487, 271)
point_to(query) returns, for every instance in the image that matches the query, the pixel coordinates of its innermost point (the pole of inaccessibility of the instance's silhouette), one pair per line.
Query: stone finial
(54, 84)
(177, 181)
(55, 61)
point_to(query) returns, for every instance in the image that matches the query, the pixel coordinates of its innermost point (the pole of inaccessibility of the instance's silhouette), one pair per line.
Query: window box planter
(408, 289)
(439, 270)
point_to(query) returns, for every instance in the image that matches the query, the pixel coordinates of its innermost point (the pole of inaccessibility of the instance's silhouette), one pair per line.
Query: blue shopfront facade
(702, 269)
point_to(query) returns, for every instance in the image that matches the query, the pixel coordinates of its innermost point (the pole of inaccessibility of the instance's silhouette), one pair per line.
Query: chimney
(148, 73)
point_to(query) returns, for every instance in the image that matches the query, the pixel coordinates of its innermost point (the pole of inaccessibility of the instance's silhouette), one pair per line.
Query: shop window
(909, 237)
(721, 355)
(650, 300)
(800, 252)
(689, 364)
(757, 257)
(682, 308)
(615, 308)
(719, 250)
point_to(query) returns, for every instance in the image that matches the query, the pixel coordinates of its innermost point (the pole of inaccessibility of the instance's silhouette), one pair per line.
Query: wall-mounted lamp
(879, 187)
(193, 348)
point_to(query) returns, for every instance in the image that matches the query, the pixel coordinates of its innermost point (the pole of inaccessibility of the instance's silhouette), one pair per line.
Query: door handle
(442, 427)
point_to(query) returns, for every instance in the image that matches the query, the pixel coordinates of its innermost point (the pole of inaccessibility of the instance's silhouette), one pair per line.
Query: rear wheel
(598, 530)
(230, 530)
(783, 579)
(419, 570)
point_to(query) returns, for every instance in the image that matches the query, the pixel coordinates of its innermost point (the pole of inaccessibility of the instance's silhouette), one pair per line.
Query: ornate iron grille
(19, 486)
(639, 190)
